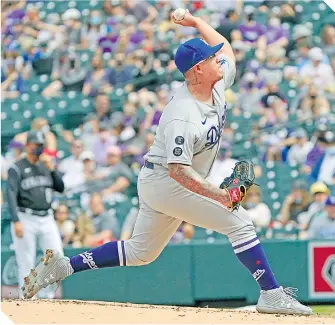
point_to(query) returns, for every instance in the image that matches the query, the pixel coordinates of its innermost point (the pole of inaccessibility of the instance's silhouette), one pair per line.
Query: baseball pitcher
(172, 185)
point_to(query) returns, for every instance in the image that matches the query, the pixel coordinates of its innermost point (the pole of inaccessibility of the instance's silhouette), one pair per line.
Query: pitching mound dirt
(83, 312)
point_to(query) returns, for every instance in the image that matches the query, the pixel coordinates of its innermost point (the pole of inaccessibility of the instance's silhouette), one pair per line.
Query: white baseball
(179, 14)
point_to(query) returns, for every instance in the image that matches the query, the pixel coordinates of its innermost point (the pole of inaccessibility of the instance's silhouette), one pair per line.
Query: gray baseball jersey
(189, 131)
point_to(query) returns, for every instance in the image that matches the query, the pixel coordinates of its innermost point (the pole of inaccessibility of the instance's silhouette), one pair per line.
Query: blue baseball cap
(330, 200)
(192, 52)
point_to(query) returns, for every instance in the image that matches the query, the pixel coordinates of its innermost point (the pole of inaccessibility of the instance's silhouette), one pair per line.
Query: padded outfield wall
(199, 271)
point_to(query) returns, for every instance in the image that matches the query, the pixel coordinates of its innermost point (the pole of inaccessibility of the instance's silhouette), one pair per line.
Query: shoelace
(291, 293)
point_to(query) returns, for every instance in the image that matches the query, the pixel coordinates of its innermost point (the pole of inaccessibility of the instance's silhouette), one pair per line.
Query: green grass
(326, 310)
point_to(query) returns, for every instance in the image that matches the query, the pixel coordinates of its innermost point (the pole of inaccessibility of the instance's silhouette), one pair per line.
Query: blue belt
(149, 164)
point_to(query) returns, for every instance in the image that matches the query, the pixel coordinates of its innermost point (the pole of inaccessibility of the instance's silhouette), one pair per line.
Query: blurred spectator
(185, 231)
(276, 114)
(258, 211)
(320, 193)
(295, 203)
(89, 165)
(138, 153)
(300, 44)
(272, 70)
(90, 130)
(323, 225)
(312, 104)
(30, 53)
(298, 152)
(317, 151)
(122, 42)
(41, 124)
(273, 148)
(115, 172)
(53, 32)
(253, 33)
(324, 169)
(73, 27)
(102, 107)
(112, 8)
(65, 225)
(120, 71)
(276, 35)
(44, 60)
(104, 141)
(97, 226)
(153, 117)
(163, 52)
(126, 123)
(32, 17)
(142, 10)
(10, 9)
(103, 220)
(240, 57)
(12, 83)
(144, 63)
(97, 80)
(69, 75)
(287, 13)
(4, 168)
(93, 30)
(32, 25)
(84, 232)
(319, 73)
(229, 24)
(272, 93)
(107, 41)
(222, 166)
(14, 152)
(11, 56)
(328, 40)
(72, 167)
(249, 98)
(223, 6)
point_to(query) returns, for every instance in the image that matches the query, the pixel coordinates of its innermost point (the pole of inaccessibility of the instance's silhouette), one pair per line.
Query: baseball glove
(238, 183)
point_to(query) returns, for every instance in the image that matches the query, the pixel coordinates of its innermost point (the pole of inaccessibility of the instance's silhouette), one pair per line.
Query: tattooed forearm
(189, 178)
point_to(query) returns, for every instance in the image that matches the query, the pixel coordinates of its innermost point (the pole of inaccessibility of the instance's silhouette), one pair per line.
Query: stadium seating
(68, 111)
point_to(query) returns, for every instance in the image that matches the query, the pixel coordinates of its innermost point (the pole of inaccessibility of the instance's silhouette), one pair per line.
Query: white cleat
(53, 267)
(281, 301)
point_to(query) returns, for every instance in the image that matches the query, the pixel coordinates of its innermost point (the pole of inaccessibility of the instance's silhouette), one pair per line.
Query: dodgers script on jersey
(190, 131)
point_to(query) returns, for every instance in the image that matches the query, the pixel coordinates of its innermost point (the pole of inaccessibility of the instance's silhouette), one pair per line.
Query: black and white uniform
(30, 191)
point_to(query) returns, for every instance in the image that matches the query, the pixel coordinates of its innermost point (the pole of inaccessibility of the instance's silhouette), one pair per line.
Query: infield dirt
(91, 312)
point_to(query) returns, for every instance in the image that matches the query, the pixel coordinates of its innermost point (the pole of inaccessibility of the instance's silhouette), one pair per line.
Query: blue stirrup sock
(251, 254)
(108, 255)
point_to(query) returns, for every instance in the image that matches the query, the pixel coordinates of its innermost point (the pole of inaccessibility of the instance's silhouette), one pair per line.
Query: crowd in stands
(94, 77)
